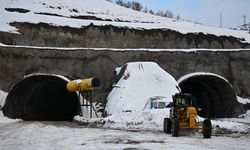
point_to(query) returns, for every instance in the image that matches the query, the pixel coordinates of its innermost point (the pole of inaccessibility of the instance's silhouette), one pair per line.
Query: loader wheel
(175, 127)
(207, 128)
(167, 125)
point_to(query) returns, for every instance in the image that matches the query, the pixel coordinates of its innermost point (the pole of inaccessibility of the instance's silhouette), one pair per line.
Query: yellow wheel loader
(183, 115)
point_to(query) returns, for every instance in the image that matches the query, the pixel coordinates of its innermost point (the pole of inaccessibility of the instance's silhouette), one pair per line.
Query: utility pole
(245, 24)
(221, 25)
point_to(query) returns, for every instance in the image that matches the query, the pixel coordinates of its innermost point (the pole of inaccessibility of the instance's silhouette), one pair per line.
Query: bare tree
(168, 14)
(128, 4)
(151, 12)
(160, 13)
(136, 6)
(120, 2)
(145, 10)
(178, 17)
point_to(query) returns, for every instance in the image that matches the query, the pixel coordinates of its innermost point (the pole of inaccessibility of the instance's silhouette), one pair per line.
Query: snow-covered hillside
(78, 13)
(245, 27)
(140, 82)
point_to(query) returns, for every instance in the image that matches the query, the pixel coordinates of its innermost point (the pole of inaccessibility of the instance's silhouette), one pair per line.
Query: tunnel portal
(41, 97)
(214, 94)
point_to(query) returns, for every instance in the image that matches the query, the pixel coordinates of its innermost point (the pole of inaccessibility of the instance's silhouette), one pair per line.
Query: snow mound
(3, 96)
(243, 100)
(240, 124)
(79, 13)
(246, 115)
(137, 120)
(142, 120)
(230, 126)
(139, 82)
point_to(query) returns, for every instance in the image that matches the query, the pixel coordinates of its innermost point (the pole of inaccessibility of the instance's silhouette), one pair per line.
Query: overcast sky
(206, 12)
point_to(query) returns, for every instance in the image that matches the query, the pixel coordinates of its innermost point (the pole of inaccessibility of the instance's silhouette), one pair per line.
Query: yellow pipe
(88, 84)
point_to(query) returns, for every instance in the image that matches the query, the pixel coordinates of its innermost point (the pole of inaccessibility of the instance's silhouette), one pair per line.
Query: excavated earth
(108, 36)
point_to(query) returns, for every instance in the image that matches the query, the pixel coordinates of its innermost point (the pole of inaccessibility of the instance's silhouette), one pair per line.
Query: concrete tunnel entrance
(41, 97)
(214, 94)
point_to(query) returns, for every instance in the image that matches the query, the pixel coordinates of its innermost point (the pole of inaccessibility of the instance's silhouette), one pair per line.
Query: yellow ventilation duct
(88, 84)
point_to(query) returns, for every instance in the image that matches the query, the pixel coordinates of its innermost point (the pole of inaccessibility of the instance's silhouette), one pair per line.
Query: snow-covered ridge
(73, 13)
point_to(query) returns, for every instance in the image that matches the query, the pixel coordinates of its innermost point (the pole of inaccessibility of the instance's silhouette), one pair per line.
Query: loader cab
(183, 100)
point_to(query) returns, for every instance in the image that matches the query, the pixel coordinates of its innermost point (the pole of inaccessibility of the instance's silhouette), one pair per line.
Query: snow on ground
(231, 125)
(243, 100)
(3, 96)
(140, 82)
(153, 120)
(244, 118)
(61, 10)
(137, 120)
(30, 135)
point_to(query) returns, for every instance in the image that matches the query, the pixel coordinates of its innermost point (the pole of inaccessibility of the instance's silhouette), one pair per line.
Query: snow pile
(139, 120)
(3, 96)
(235, 125)
(246, 116)
(142, 120)
(243, 100)
(153, 120)
(78, 13)
(4, 120)
(230, 126)
(139, 82)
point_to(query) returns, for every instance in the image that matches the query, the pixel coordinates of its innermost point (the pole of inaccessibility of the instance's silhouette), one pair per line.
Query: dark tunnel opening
(95, 82)
(214, 95)
(41, 97)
